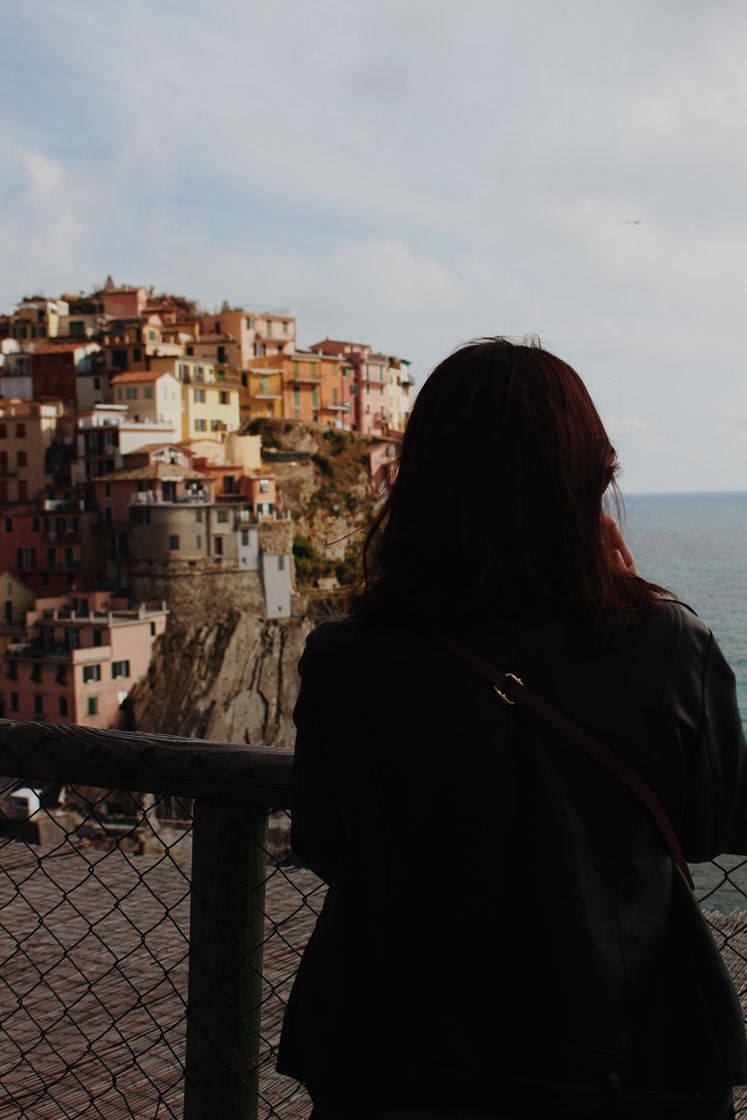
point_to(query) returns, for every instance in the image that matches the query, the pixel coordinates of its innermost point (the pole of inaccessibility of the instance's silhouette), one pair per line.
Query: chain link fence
(148, 940)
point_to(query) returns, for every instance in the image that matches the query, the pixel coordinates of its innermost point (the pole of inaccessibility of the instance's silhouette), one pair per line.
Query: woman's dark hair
(496, 503)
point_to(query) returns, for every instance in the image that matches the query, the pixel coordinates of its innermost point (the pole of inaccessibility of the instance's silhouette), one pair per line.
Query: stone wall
(201, 595)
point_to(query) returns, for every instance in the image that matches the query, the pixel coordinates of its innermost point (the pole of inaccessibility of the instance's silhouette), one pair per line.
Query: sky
(412, 174)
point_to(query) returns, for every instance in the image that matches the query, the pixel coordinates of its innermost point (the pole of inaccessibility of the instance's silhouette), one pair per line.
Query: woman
(505, 933)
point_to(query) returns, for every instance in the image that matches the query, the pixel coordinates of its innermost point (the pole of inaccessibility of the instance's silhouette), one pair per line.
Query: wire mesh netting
(95, 901)
(94, 954)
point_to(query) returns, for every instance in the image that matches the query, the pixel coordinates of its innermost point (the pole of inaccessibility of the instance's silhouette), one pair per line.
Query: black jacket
(501, 906)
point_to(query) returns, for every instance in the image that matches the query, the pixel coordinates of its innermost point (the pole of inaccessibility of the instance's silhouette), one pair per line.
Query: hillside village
(155, 463)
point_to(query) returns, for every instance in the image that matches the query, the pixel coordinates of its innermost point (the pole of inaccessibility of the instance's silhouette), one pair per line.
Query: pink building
(79, 658)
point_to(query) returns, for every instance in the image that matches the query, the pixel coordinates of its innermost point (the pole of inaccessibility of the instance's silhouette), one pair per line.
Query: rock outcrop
(223, 670)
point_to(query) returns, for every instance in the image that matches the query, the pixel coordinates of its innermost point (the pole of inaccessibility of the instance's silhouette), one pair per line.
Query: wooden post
(226, 934)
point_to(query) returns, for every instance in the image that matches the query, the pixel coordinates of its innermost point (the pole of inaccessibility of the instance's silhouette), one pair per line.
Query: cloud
(44, 174)
(409, 173)
(637, 433)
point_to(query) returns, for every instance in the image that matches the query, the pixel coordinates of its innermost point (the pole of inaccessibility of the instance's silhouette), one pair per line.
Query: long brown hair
(495, 507)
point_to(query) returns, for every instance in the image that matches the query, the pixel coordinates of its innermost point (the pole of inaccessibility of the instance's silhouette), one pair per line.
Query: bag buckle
(511, 677)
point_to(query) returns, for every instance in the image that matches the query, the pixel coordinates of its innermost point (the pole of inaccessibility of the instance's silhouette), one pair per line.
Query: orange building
(305, 386)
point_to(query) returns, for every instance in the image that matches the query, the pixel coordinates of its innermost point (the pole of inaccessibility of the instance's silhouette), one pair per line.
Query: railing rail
(228, 773)
(233, 788)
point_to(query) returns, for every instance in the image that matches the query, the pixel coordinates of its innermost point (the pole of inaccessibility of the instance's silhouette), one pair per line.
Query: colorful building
(37, 318)
(106, 433)
(79, 658)
(150, 396)
(383, 386)
(50, 544)
(210, 402)
(56, 366)
(255, 333)
(27, 431)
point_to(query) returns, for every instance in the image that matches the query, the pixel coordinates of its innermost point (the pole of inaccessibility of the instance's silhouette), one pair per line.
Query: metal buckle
(504, 698)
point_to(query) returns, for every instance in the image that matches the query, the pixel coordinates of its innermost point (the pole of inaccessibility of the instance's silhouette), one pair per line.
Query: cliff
(223, 670)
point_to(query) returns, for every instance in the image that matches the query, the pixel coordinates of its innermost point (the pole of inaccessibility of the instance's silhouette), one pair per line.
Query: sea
(696, 546)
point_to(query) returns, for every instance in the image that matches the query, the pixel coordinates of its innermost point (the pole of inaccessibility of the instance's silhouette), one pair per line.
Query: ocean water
(696, 546)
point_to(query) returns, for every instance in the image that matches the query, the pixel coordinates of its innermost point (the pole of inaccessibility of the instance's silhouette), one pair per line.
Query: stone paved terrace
(92, 1016)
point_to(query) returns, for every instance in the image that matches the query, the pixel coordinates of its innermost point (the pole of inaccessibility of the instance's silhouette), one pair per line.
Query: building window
(93, 706)
(8, 524)
(20, 430)
(218, 546)
(3, 431)
(61, 676)
(258, 350)
(244, 538)
(96, 383)
(130, 393)
(120, 669)
(152, 629)
(199, 396)
(107, 489)
(12, 671)
(281, 563)
(97, 636)
(36, 673)
(14, 706)
(62, 705)
(38, 705)
(137, 354)
(148, 392)
(223, 515)
(174, 544)
(198, 541)
(22, 459)
(215, 425)
(26, 556)
(91, 673)
(223, 397)
(200, 425)
(198, 516)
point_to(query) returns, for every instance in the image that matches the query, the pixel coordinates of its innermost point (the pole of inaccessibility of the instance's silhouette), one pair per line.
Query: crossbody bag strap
(512, 690)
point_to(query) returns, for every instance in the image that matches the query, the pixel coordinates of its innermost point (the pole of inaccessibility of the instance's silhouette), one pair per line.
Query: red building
(55, 367)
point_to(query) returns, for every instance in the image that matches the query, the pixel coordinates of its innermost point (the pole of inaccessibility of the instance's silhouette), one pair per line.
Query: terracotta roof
(155, 447)
(170, 471)
(57, 347)
(138, 375)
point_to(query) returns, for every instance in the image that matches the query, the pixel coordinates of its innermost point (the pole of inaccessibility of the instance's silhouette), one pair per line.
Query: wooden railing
(233, 788)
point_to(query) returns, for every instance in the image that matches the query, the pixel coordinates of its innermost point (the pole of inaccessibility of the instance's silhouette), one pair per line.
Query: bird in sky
(633, 222)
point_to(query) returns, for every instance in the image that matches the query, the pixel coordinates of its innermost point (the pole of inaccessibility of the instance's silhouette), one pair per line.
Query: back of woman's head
(496, 503)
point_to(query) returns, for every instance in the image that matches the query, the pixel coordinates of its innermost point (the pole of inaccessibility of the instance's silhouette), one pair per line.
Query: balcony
(183, 922)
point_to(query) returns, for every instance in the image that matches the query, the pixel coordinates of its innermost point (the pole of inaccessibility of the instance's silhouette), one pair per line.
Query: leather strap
(512, 690)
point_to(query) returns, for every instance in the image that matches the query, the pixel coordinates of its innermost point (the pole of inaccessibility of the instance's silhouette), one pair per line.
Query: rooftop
(139, 375)
(170, 472)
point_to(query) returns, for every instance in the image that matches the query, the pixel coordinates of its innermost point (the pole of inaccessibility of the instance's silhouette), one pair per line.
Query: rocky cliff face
(224, 671)
(232, 679)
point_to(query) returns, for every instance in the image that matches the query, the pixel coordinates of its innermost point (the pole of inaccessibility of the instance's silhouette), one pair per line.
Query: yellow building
(262, 392)
(210, 398)
(27, 429)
